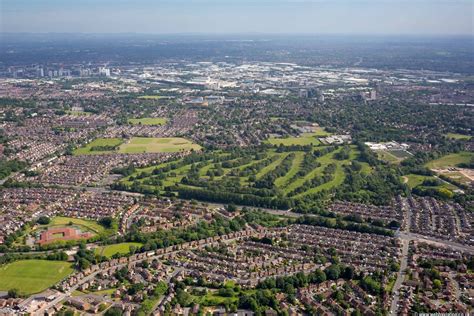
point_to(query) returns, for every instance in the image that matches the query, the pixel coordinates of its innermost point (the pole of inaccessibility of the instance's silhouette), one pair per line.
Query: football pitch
(32, 276)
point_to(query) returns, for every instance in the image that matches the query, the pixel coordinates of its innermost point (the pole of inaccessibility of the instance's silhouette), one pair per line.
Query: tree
(231, 208)
(43, 220)
(333, 272)
(394, 267)
(183, 297)
(13, 293)
(106, 222)
(348, 273)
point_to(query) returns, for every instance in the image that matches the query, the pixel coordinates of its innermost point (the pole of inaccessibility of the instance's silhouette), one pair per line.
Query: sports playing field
(110, 250)
(32, 276)
(86, 225)
(151, 97)
(303, 139)
(148, 121)
(138, 145)
(157, 145)
(87, 149)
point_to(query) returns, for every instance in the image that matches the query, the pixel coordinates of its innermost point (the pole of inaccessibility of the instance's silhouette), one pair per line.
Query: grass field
(458, 136)
(78, 113)
(86, 225)
(150, 97)
(392, 156)
(387, 156)
(451, 160)
(415, 180)
(122, 248)
(101, 292)
(445, 165)
(138, 145)
(303, 139)
(148, 121)
(32, 276)
(86, 150)
(157, 145)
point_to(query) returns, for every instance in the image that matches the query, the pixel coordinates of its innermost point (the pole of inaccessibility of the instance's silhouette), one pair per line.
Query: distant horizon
(381, 17)
(413, 35)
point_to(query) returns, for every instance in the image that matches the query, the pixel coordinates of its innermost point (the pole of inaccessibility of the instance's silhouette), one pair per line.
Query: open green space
(303, 139)
(101, 292)
(458, 136)
(263, 174)
(136, 145)
(414, 180)
(148, 121)
(99, 146)
(451, 160)
(157, 145)
(448, 167)
(32, 276)
(86, 225)
(214, 298)
(392, 156)
(387, 156)
(122, 248)
(78, 113)
(151, 97)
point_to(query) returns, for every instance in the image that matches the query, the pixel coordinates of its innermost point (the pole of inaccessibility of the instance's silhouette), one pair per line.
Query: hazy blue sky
(434, 17)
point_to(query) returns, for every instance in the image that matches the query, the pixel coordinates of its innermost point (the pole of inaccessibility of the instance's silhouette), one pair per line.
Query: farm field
(122, 248)
(136, 145)
(157, 145)
(148, 121)
(32, 276)
(99, 142)
(251, 174)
